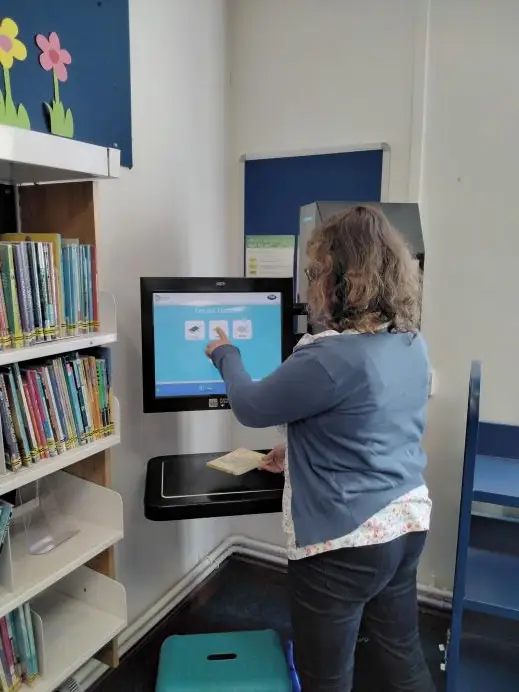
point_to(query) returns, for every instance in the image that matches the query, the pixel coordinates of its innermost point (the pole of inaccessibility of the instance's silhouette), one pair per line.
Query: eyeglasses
(310, 275)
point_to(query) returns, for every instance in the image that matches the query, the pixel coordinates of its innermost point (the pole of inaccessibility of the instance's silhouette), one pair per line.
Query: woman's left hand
(213, 345)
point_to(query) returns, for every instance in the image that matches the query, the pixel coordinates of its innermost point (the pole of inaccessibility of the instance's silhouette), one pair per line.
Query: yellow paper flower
(10, 46)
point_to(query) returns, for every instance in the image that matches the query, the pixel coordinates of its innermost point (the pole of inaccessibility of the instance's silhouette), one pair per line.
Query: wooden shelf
(35, 157)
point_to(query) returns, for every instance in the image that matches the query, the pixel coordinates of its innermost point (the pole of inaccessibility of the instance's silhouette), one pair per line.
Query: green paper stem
(56, 86)
(8, 93)
(9, 113)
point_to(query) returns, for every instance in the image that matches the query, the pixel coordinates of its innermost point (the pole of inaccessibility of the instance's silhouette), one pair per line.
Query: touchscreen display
(185, 322)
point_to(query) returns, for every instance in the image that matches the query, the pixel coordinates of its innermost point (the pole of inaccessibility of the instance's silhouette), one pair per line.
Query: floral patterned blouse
(408, 513)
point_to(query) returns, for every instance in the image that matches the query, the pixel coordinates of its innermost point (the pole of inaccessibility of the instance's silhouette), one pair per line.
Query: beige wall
(307, 74)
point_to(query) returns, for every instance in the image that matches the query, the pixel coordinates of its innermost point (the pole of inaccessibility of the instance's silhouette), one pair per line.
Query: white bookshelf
(96, 513)
(12, 480)
(106, 335)
(56, 348)
(72, 620)
(34, 157)
(78, 606)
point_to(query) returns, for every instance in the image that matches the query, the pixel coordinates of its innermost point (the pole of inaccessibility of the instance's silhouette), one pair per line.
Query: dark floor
(245, 595)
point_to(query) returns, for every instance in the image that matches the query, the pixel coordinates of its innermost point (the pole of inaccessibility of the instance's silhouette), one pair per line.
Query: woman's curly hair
(362, 274)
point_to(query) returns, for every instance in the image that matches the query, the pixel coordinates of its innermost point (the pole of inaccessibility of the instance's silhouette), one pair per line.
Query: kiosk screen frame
(153, 401)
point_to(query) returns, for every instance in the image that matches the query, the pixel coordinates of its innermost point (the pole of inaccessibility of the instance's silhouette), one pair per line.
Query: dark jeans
(329, 596)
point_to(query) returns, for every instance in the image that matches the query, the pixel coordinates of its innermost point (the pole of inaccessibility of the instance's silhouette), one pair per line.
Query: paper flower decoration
(11, 49)
(10, 46)
(55, 58)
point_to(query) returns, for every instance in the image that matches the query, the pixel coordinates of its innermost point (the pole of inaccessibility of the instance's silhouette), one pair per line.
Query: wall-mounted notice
(269, 256)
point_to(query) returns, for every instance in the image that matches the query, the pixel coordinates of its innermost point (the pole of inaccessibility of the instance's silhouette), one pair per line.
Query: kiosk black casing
(151, 285)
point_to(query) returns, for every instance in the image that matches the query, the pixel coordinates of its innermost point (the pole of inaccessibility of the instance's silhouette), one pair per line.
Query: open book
(237, 463)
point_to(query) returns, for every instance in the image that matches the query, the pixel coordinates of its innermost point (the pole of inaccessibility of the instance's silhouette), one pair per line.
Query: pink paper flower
(53, 56)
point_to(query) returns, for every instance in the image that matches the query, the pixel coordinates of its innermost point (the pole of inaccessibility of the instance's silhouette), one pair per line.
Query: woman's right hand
(274, 461)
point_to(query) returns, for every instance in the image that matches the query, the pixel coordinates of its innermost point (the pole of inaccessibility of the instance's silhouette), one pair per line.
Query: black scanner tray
(183, 487)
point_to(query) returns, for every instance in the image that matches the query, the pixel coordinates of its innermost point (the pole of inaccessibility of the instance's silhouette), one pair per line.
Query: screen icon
(218, 324)
(242, 329)
(194, 330)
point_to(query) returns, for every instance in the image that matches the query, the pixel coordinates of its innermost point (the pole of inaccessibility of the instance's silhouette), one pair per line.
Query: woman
(356, 508)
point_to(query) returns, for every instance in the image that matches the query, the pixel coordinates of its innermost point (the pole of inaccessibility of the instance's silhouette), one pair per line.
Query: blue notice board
(276, 188)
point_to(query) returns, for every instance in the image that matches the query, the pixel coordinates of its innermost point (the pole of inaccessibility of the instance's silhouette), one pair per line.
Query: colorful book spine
(53, 406)
(5, 337)
(60, 405)
(50, 278)
(22, 638)
(44, 292)
(67, 279)
(106, 370)
(5, 679)
(6, 514)
(26, 414)
(74, 400)
(69, 417)
(11, 450)
(35, 291)
(102, 396)
(49, 289)
(76, 265)
(23, 289)
(82, 400)
(19, 427)
(8, 655)
(35, 419)
(33, 660)
(18, 651)
(42, 404)
(88, 364)
(90, 288)
(83, 298)
(11, 294)
(95, 292)
(15, 648)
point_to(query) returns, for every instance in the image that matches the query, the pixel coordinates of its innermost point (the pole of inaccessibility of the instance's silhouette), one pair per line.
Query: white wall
(471, 217)
(165, 217)
(307, 74)
(315, 73)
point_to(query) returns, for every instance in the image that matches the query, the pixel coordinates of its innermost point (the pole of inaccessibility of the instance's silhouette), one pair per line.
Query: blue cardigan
(355, 407)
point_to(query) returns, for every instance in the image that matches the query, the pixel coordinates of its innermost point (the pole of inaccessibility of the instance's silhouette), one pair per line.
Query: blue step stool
(225, 662)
